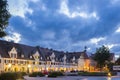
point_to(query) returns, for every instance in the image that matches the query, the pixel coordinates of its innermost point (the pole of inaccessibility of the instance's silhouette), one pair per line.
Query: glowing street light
(109, 74)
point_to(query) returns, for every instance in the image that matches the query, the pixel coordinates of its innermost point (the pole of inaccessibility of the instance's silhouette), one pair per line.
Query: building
(19, 57)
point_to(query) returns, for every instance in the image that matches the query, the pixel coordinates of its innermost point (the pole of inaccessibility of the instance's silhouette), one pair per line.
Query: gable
(36, 55)
(52, 55)
(13, 50)
(13, 53)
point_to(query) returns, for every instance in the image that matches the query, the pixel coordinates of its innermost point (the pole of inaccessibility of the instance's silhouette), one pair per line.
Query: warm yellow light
(56, 69)
(75, 69)
(109, 74)
(29, 66)
(9, 65)
(47, 69)
(109, 78)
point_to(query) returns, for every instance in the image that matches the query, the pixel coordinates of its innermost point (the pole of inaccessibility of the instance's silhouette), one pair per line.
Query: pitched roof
(45, 53)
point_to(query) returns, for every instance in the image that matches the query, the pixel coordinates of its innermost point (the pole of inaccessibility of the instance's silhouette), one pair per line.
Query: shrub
(93, 73)
(11, 76)
(40, 74)
(35, 74)
(113, 73)
(52, 74)
(59, 74)
(23, 73)
(55, 74)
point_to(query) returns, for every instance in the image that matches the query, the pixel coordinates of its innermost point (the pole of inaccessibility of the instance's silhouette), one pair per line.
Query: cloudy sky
(67, 25)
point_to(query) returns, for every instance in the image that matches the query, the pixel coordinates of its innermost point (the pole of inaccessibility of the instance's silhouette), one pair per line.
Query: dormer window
(64, 58)
(52, 57)
(36, 55)
(41, 58)
(73, 58)
(56, 59)
(30, 57)
(13, 53)
(48, 58)
(22, 56)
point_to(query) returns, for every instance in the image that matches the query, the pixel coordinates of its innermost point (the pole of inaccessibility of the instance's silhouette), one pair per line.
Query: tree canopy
(101, 56)
(4, 17)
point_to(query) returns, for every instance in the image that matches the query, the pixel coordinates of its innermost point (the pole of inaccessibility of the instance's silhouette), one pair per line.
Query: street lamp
(29, 68)
(109, 74)
(9, 67)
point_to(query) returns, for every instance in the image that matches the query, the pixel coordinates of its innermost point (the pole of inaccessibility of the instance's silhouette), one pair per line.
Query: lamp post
(29, 68)
(9, 66)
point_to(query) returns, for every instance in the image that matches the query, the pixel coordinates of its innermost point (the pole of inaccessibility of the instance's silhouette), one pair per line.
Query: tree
(102, 56)
(4, 17)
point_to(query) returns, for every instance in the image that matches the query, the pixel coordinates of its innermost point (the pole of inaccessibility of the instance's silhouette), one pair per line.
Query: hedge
(35, 74)
(55, 74)
(12, 75)
(96, 73)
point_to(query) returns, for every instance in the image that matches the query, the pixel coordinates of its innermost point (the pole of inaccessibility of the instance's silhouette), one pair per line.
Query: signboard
(116, 68)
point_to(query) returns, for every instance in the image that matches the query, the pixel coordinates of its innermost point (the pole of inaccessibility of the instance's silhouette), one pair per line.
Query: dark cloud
(67, 31)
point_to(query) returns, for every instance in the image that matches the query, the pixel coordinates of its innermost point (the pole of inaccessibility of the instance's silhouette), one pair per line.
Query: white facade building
(19, 57)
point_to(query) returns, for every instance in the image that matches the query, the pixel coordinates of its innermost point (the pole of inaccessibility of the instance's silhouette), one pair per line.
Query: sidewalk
(59, 78)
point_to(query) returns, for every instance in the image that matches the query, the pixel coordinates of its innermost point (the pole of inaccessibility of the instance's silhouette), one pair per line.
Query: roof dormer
(22, 56)
(82, 56)
(36, 55)
(52, 57)
(13, 53)
(73, 59)
(64, 58)
(30, 57)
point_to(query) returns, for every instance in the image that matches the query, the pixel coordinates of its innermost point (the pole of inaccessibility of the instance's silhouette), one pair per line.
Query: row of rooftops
(45, 53)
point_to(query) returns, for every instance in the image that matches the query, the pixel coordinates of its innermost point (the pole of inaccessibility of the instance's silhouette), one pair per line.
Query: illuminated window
(13, 55)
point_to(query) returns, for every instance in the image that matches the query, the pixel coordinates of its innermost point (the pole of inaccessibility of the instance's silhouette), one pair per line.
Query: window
(22, 56)
(30, 57)
(12, 61)
(15, 56)
(39, 63)
(28, 62)
(12, 55)
(36, 57)
(33, 62)
(21, 62)
(8, 61)
(5, 61)
(52, 57)
(41, 58)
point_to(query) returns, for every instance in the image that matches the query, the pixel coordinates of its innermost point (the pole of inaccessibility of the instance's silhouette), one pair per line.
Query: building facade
(24, 58)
